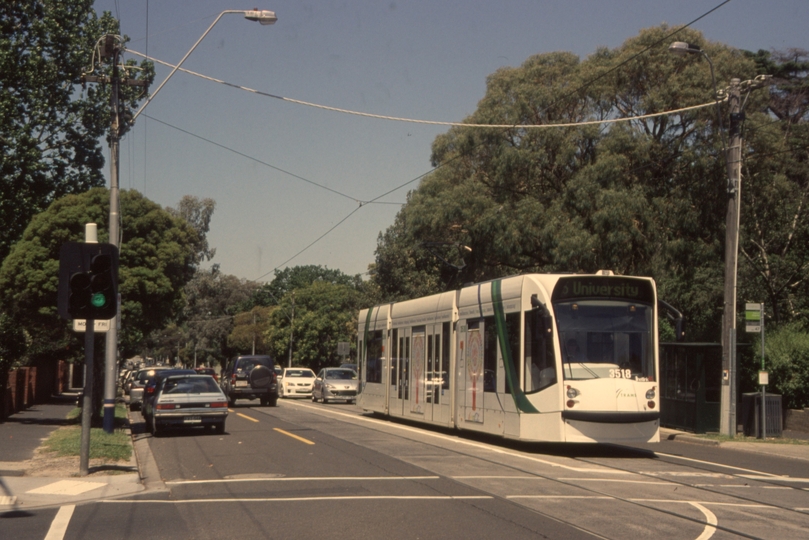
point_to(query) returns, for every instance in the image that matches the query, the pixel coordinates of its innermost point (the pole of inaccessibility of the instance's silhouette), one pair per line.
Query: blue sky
(260, 157)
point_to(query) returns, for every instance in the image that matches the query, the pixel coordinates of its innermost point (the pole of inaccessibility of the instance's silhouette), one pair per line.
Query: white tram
(565, 358)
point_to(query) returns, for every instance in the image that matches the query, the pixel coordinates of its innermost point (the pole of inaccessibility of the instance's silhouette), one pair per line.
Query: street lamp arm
(263, 17)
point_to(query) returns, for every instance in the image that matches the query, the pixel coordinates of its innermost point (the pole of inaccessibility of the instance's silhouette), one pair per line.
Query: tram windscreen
(606, 339)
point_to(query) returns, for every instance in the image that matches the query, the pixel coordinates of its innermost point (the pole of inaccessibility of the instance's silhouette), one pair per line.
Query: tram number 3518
(620, 373)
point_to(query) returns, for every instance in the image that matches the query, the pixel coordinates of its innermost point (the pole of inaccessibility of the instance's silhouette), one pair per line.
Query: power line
(242, 154)
(451, 124)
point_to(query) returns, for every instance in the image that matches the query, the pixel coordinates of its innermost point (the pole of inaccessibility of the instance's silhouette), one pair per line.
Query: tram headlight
(572, 393)
(650, 394)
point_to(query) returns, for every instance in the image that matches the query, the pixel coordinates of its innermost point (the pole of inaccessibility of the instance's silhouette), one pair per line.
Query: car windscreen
(299, 373)
(190, 385)
(341, 374)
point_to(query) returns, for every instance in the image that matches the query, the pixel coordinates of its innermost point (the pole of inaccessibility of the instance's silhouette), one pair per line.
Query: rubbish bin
(751, 415)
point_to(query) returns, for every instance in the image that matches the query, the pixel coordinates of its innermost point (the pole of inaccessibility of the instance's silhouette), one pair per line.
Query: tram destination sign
(615, 287)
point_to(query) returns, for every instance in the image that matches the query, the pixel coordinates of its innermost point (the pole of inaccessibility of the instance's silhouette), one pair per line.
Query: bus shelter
(690, 386)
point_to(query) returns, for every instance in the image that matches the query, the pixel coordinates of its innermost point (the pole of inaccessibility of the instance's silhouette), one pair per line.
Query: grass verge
(115, 446)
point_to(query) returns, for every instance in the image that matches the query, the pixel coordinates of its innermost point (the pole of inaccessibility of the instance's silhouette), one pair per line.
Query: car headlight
(651, 393)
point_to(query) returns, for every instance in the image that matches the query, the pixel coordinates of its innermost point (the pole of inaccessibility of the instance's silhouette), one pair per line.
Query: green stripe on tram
(362, 355)
(520, 400)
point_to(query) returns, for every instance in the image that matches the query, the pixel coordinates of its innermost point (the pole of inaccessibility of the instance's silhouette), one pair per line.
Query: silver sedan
(335, 384)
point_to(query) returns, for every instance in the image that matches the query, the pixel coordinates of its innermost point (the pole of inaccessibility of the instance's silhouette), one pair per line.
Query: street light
(681, 48)
(733, 161)
(264, 17)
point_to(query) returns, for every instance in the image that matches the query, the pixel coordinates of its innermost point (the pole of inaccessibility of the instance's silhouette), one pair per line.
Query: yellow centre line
(307, 441)
(248, 417)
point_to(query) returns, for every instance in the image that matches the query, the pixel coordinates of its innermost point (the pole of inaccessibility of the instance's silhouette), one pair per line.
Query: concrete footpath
(22, 433)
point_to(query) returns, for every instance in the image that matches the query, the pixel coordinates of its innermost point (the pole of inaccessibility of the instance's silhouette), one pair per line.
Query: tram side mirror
(544, 321)
(676, 317)
(680, 329)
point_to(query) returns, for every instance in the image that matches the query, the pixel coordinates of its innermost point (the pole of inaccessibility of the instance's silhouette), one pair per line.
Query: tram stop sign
(752, 318)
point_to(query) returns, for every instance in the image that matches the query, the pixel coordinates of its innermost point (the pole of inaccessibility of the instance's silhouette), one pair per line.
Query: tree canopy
(50, 127)
(157, 258)
(642, 197)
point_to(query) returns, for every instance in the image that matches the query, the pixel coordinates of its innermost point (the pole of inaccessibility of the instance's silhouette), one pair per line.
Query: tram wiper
(570, 363)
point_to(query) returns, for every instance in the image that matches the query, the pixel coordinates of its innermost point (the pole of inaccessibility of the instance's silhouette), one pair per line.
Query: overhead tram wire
(242, 154)
(443, 123)
(453, 124)
(662, 40)
(322, 236)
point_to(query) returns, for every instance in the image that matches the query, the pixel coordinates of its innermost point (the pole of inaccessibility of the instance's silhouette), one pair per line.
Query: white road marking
(775, 478)
(616, 480)
(763, 474)
(8, 500)
(67, 487)
(307, 499)
(710, 517)
(60, 523)
(300, 479)
(460, 441)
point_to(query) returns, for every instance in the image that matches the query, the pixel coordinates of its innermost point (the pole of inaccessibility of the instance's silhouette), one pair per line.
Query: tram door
(400, 370)
(436, 374)
(417, 404)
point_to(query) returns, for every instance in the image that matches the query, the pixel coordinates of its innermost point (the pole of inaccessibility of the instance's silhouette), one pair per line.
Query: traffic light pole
(111, 364)
(87, 398)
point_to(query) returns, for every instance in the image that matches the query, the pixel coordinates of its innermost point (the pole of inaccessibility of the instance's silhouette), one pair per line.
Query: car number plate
(242, 383)
(192, 419)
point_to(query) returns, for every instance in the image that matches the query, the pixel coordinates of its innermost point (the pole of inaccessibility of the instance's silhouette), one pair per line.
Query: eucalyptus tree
(51, 129)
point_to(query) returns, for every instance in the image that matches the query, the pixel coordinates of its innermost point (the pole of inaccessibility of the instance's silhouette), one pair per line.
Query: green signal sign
(98, 300)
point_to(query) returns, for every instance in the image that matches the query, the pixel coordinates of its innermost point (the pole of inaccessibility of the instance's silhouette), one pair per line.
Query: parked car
(127, 383)
(296, 382)
(150, 388)
(187, 400)
(251, 377)
(335, 384)
(138, 383)
(208, 371)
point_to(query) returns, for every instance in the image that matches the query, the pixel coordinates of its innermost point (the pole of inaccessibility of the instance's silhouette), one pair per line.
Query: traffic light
(103, 295)
(88, 281)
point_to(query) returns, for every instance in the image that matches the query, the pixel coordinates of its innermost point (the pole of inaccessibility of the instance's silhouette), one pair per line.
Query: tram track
(589, 490)
(706, 488)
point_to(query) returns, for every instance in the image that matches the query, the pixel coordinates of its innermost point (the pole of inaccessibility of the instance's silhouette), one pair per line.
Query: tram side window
(513, 328)
(489, 355)
(445, 337)
(394, 355)
(540, 363)
(374, 357)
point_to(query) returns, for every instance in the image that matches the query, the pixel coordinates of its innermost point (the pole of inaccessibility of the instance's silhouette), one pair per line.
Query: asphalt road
(304, 470)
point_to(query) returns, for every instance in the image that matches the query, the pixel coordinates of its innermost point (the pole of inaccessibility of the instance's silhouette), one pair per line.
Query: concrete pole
(111, 364)
(729, 396)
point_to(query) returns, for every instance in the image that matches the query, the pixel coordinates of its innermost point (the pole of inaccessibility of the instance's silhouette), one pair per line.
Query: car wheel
(273, 401)
(220, 428)
(231, 401)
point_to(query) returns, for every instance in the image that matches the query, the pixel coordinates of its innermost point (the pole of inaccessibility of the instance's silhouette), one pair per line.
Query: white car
(296, 382)
(187, 400)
